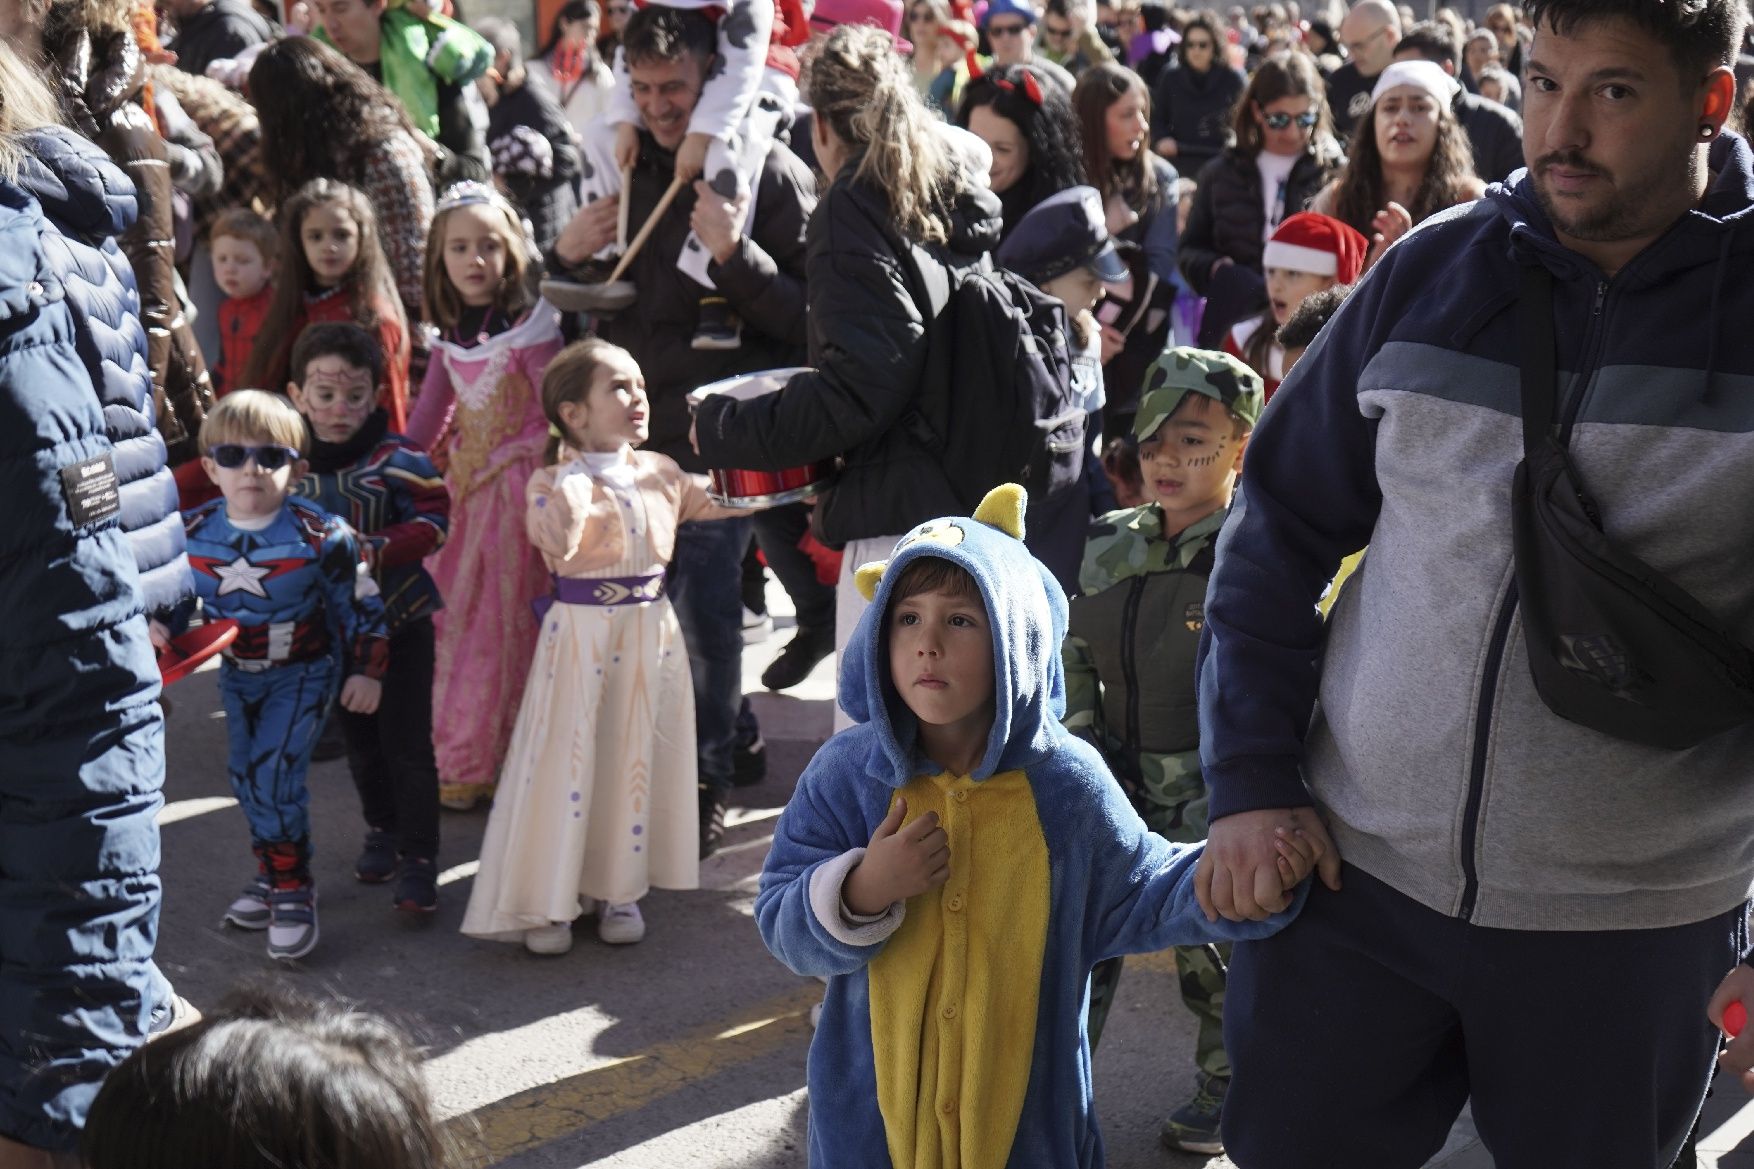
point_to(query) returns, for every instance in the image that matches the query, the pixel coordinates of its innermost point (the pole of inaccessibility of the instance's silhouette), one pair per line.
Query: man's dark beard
(1627, 215)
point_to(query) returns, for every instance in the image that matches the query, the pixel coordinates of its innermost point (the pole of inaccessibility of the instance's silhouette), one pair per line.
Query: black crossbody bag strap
(1612, 643)
(1540, 372)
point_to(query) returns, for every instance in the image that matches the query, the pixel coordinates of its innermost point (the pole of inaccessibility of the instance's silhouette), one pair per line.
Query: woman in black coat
(899, 211)
(1284, 152)
(1195, 97)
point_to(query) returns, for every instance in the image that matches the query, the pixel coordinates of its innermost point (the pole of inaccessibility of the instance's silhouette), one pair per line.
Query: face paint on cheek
(1208, 460)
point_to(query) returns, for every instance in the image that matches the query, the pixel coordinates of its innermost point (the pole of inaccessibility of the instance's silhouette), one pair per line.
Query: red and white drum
(758, 489)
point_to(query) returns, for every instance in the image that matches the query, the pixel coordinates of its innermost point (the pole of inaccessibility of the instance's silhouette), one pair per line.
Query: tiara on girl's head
(470, 193)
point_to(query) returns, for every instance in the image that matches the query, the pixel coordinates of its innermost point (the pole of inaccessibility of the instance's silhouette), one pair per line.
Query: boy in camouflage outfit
(1129, 656)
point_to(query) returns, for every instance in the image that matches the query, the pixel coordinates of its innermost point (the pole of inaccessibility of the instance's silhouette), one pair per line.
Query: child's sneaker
(292, 929)
(250, 910)
(377, 860)
(548, 940)
(417, 885)
(621, 925)
(1193, 1128)
(719, 327)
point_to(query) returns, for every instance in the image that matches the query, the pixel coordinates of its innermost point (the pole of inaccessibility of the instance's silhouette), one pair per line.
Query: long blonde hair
(25, 105)
(861, 88)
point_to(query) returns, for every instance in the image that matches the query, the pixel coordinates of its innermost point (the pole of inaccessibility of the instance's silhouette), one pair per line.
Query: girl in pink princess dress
(480, 414)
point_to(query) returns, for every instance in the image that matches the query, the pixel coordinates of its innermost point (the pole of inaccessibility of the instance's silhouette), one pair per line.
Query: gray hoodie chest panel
(1577, 830)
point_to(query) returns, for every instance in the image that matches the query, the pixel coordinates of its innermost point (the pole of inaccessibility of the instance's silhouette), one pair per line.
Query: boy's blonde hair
(243, 223)
(254, 417)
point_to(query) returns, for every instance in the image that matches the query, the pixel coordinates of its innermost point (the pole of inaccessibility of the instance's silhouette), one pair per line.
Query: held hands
(1738, 1058)
(900, 863)
(718, 222)
(1299, 853)
(691, 155)
(626, 145)
(159, 633)
(360, 694)
(1243, 874)
(1387, 226)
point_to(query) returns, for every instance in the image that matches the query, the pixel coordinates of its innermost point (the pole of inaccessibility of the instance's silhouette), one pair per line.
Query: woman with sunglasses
(1410, 158)
(1284, 152)
(940, 42)
(1194, 99)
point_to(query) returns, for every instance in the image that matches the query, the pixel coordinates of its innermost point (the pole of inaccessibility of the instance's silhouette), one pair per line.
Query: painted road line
(535, 1117)
(188, 809)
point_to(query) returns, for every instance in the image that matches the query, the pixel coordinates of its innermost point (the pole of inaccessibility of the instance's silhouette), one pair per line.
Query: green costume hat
(1182, 371)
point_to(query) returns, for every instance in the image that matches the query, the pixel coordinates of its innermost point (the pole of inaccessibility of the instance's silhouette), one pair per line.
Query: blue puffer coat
(81, 732)
(89, 202)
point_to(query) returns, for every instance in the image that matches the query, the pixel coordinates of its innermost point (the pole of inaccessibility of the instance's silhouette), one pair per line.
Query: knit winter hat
(1318, 244)
(1008, 8)
(1425, 75)
(1182, 371)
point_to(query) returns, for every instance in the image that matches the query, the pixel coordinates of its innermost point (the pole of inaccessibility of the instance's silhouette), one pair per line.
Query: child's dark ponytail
(568, 379)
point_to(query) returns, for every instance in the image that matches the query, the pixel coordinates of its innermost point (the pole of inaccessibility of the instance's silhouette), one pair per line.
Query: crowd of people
(367, 329)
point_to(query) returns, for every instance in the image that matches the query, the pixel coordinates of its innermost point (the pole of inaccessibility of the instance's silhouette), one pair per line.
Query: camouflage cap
(1181, 371)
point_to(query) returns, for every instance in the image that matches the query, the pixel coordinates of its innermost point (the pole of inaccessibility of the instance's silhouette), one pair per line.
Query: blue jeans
(272, 721)
(705, 587)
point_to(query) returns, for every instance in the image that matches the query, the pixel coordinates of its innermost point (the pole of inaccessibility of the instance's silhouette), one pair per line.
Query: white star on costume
(240, 576)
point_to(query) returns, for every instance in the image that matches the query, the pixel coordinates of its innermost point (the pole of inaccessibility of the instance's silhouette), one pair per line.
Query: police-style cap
(1063, 232)
(1181, 371)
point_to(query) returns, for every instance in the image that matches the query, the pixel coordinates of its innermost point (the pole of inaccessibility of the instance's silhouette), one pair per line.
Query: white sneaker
(621, 925)
(250, 910)
(756, 627)
(292, 928)
(551, 939)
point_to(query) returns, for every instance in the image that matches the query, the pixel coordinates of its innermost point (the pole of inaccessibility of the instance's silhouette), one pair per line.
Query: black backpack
(996, 403)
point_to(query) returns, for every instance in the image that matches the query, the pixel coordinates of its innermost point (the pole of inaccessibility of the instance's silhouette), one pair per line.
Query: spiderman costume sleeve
(352, 599)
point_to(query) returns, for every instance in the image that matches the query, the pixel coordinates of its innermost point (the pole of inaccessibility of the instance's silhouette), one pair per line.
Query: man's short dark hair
(349, 342)
(658, 33)
(1432, 40)
(1699, 34)
(1317, 309)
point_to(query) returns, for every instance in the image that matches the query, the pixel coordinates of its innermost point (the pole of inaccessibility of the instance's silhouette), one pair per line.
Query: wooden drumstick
(626, 199)
(646, 228)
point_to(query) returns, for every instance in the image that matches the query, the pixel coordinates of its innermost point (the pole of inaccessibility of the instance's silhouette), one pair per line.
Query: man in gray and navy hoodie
(1535, 915)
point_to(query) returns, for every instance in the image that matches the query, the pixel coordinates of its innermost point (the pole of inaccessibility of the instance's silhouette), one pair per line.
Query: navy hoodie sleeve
(1308, 498)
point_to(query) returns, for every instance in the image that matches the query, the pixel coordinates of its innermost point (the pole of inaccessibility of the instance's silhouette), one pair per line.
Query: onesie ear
(866, 578)
(1003, 509)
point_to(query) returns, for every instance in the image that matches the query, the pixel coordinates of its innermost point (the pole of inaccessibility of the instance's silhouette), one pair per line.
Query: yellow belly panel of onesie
(954, 994)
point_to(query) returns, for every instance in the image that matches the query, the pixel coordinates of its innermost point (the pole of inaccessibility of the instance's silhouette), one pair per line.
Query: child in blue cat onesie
(957, 863)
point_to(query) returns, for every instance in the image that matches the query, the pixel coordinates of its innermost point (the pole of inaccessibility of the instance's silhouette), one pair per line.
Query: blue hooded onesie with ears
(952, 1036)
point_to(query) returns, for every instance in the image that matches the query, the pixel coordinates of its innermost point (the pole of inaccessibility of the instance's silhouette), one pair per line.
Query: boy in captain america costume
(290, 575)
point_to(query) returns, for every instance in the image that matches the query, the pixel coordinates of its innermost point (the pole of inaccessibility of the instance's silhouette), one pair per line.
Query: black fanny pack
(1613, 644)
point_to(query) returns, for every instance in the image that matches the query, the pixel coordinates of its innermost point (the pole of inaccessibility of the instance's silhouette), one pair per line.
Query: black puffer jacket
(527, 135)
(868, 343)
(101, 81)
(1227, 219)
(764, 281)
(1194, 108)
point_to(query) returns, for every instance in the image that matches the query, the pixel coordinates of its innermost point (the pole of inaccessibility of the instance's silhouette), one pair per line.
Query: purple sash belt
(610, 590)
